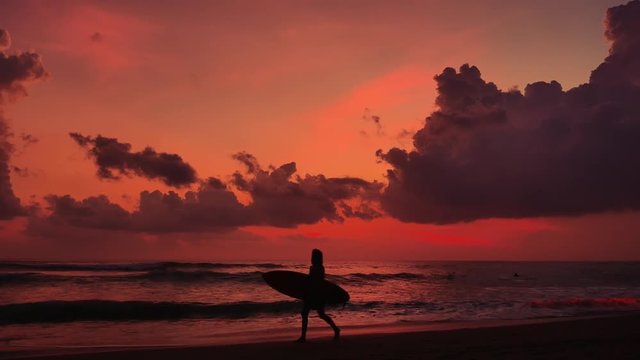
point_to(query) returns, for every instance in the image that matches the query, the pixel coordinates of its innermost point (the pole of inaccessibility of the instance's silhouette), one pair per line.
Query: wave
(195, 276)
(107, 310)
(380, 277)
(587, 303)
(24, 277)
(177, 276)
(192, 275)
(124, 267)
(256, 276)
(59, 311)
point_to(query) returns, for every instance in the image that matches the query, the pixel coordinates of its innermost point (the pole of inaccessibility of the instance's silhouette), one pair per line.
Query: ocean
(54, 304)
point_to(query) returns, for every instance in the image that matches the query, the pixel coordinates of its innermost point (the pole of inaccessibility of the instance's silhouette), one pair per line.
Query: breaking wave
(625, 302)
(154, 266)
(108, 310)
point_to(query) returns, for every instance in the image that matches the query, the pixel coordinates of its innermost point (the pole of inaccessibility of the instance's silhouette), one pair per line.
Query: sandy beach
(615, 337)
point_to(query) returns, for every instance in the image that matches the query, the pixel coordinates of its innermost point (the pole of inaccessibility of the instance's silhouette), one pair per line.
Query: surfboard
(294, 284)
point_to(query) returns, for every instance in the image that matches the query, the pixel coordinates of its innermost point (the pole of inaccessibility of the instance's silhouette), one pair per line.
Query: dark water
(50, 304)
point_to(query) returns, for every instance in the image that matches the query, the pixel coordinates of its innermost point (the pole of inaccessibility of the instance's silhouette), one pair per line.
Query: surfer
(313, 298)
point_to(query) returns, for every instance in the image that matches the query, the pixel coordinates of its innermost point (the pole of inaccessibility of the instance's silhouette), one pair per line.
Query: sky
(399, 130)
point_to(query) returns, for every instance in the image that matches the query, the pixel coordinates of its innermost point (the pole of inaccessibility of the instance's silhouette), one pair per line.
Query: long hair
(316, 257)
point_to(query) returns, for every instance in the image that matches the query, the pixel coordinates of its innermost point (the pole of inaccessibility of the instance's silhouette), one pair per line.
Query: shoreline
(582, 337)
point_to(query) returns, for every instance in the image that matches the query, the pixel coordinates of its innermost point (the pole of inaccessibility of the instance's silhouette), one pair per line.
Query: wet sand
(615, 337)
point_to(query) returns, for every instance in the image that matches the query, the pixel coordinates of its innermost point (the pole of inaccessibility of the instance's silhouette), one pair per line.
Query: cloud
(115, 159)
(277, 199)
(5, 40)
(16, 70)
(96, 212)
(281, 199)
(375, 119)
(488, 153)
(622, 29)
(207, 209)
(28, 139)
(23, 171)
(9, 202)
(96, 37)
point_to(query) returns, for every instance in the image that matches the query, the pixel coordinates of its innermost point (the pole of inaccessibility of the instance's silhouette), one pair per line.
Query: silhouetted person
(516, 275)
(313, 298)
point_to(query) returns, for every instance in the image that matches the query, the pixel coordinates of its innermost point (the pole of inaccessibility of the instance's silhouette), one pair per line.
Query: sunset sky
(227, 94)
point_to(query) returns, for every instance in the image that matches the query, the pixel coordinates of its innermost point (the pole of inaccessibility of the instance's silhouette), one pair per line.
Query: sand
(615, 337)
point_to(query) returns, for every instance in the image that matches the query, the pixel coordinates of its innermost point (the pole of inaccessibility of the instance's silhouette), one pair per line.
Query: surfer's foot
(336, 337)
(301, 340)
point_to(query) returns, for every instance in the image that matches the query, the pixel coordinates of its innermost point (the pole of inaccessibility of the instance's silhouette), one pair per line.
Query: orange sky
(285, 81)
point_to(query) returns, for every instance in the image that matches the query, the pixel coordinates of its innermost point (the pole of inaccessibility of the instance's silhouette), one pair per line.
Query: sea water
(46, 304)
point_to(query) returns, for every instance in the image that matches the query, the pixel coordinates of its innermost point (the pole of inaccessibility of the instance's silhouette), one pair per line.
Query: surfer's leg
(329, 321)
(305, 320)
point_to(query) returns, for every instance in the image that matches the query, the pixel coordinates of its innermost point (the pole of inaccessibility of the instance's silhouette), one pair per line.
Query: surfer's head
(316, 257)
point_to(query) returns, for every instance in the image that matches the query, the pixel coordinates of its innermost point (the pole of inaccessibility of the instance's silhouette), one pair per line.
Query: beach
(49, 308)
(612, 337)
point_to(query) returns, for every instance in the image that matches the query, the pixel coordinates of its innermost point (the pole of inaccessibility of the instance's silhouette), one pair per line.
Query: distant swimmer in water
(313, 300)
(516, 274)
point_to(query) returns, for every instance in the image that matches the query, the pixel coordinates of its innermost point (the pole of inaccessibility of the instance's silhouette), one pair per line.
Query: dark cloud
(375, 119)
(362, 211)
(95, 212)
(215, 183)
(404, 137)
(115, 159)
(622, 29)
(404, 134)
(23, 143)
(490, 153)
(28, 139)
(16, 70)
(249, 161)
(23, 171)
(96, 37)
(277, 199)
(9, 202)
(5, 40)
(207, 209)
(281, 199)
